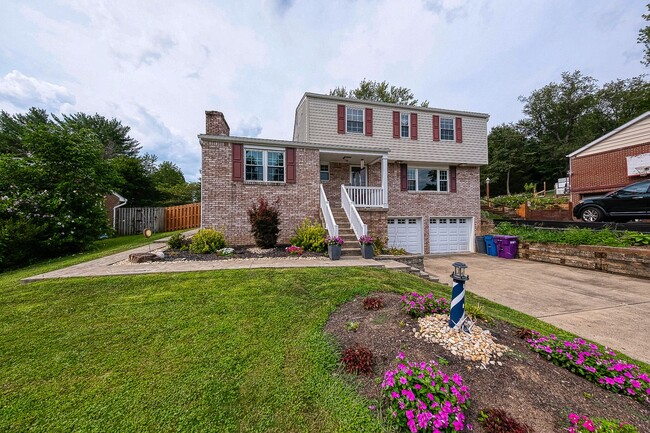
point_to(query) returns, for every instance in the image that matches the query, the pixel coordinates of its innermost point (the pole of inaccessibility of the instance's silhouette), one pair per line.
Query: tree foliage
(52, 194)
(644, 38)
(380, 92)
(560, 118)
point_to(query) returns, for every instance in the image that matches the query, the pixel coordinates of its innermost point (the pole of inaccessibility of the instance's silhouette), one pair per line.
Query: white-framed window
(446, 128)
(354, 120)
(324, 172)
(404, 125)
(427, 179)
(264, 165)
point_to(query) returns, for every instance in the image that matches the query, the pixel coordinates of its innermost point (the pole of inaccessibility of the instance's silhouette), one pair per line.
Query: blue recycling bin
(490, 245)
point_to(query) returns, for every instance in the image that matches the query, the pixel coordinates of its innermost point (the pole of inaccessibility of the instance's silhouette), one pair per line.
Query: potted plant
(367, 250)
(334, 244)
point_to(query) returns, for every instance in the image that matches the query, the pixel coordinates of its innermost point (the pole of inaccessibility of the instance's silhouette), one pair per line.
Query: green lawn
(235, 350)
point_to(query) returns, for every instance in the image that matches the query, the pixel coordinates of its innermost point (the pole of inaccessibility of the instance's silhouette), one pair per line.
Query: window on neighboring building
(324, 172)
(355, 120)
(427, 179)
(265, 165)
(446, 129)
(404, 125)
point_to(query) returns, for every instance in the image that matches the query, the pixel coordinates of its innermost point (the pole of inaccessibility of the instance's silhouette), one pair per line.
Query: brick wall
(464, 203)
(224, 203)
(602, 172)
(215, 123)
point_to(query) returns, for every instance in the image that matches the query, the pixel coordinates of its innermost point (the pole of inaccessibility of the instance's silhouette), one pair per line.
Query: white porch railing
(366, 196)
(356, 222)
(330, 224)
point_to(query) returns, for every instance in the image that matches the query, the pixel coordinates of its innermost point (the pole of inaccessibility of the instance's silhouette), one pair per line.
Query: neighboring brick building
(612, 161)
(411, 173)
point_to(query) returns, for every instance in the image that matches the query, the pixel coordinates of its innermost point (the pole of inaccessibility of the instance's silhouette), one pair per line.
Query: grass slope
(208, 351)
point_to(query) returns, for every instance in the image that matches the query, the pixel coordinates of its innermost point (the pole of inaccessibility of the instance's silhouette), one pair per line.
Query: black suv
(622, 205)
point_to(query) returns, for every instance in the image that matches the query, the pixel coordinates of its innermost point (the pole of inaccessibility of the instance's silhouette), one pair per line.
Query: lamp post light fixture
(457, 316)
(487, 190)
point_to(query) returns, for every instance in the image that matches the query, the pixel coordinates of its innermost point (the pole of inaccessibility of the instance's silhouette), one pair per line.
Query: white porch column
(384, 178)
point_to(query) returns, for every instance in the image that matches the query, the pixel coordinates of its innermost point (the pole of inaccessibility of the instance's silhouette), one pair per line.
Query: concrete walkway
(610, 309)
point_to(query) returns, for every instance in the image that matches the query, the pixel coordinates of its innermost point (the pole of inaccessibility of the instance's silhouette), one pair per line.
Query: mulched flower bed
(239, 253)
(528, 387)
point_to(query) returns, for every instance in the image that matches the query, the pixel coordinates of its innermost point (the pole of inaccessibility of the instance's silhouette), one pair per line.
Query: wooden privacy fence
(187, 216)
(133, 220)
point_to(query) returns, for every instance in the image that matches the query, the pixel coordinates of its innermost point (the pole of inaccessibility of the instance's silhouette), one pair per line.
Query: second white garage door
(449, 235)
(405, 233)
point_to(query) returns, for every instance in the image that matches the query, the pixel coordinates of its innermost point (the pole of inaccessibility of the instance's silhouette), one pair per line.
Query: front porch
(363, 176)
(354, 186)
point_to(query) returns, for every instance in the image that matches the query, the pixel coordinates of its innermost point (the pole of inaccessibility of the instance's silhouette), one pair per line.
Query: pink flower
(589, 425)
(403, 380)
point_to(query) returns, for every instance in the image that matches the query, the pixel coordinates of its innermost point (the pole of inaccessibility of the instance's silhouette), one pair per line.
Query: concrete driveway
(610, 309)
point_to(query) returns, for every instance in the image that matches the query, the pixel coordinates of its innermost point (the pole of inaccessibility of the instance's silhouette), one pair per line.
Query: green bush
(571, 236)
(176, 241)
(310, 235)
(265, 223)
(207, 241)
(636, 238)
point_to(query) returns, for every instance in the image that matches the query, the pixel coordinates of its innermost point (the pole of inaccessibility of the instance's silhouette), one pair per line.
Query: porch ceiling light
(346, 158)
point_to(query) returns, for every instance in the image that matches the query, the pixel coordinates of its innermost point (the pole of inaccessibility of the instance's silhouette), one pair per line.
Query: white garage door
(449, 235)
(405, 233)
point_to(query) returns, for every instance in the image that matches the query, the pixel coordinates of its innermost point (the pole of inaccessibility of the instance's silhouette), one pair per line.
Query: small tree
(265, 222)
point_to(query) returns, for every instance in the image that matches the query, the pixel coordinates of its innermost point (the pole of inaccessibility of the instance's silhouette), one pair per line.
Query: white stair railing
(366, 196)
(330, 224)
(356, 222)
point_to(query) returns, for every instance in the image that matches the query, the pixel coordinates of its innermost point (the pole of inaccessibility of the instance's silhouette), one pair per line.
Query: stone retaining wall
(417, 261)
(626, 261)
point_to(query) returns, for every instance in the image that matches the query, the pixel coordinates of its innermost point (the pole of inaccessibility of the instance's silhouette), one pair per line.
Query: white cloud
(24, 92)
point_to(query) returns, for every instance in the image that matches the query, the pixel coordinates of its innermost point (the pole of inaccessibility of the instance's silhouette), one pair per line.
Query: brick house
(405, 173)
(612, 161)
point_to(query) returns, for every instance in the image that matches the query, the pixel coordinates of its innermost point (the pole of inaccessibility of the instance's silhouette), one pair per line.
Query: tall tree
(507, 149)
(111, 133)
(14, 126)
(52, 195)
(644, 38)
(380, 92)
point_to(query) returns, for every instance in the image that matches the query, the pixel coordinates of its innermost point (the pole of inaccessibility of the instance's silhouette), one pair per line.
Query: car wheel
(591, 215)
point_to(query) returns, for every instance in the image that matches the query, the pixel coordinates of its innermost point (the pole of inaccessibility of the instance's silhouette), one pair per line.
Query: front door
(358, 176)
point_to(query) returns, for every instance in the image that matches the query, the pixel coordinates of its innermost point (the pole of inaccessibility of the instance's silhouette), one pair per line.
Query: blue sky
(157, 66)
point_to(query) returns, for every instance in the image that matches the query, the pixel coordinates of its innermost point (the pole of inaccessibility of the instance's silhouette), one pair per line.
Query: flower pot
(334, 251)
(367, 251)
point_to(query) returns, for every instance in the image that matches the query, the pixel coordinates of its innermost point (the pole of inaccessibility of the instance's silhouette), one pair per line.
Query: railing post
(384, 180)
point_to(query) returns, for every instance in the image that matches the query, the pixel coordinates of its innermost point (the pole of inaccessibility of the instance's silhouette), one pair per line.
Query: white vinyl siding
(322, 128)
(630, 136)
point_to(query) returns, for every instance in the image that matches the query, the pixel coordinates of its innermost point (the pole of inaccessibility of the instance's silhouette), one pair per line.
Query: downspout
(120, 198)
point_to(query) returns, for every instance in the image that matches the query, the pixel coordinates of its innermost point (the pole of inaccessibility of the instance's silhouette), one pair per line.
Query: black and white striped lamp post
(457, 313)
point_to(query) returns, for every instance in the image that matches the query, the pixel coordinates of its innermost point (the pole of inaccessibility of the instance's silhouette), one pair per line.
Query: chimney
(215, 124)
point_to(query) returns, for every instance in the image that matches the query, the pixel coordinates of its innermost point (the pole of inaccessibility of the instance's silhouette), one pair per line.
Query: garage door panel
(449, 235)
(405, 233)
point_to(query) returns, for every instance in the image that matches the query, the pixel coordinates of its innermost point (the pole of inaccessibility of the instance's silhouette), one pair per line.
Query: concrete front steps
(351, 246)
(402, 267)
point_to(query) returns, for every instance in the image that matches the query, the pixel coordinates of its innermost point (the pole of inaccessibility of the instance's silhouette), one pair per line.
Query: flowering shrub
(418, 305)
(582, 424)
(500, 421)
(357, 359)
(310, 235)
(366, 240)
(601, 367)
(373, 303)
(334, 240)
(294, 250)
(423, 398)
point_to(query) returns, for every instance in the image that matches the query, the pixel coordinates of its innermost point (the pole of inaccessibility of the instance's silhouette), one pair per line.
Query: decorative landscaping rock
(144, 257)
(478, 345)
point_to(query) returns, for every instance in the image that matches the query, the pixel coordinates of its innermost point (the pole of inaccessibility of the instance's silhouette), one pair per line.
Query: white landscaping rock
(478, 345)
